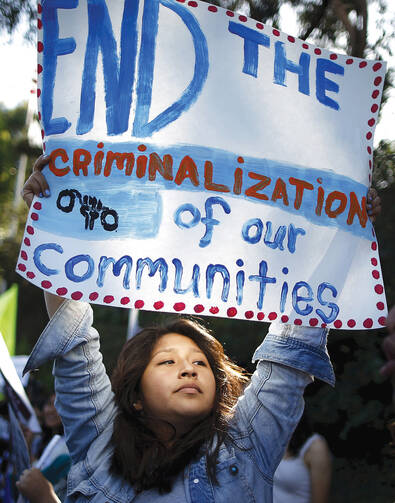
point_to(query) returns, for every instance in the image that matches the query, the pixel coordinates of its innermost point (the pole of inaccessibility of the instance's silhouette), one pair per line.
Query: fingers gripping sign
(373, 204)
(36, 184)
(208, 221)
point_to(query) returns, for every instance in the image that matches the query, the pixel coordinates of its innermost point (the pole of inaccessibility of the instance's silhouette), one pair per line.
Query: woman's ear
(138, 406)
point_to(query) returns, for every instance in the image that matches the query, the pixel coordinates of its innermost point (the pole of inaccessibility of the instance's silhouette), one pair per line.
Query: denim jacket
(265, 416)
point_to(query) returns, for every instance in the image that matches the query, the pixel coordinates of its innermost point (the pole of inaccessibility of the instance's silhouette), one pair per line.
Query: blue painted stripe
(138, 200)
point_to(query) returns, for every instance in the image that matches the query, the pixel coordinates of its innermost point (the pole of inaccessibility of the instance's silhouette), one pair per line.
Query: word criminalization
(310, 199)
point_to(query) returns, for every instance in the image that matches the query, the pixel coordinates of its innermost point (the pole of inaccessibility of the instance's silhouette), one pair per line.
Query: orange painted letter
(187, 169)
(81, 160)
(280, 192)
(59, 152)
(208, 179)
(300, 186)
(165, 167)
(356, 209)
(332, 197)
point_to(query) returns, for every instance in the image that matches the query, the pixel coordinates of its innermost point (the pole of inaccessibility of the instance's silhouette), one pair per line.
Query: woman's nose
(188, 370)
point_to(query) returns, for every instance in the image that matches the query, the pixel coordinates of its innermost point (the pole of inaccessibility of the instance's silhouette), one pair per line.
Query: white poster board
(21, 402)
(202, 162)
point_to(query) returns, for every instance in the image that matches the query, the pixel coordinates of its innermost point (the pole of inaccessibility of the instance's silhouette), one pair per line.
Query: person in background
(304, 473)
(50, 453)
(57, 461)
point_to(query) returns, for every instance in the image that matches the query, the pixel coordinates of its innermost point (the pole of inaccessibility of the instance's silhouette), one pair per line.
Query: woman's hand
(373, 204)
(36, 184)
(36, 488)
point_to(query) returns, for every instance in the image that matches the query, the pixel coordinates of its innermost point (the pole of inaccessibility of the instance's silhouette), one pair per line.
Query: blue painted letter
(160, 264)
(53, 47)
(118, 79)
(263, 279)
(194, 286)
(334, 307)
(298, 298)
(71, 263)
(323, 84)
(209, 221)
(245, 232)
(37, 258)
(251, 41)
(281, 64)
(141, 126)
(126, 261)
(211, 270)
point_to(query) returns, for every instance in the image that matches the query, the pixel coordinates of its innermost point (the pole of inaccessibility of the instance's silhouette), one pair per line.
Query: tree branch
(319, 15)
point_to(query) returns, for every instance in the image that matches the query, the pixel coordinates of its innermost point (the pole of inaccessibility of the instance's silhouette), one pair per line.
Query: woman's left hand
(373, 204)
(34, 486)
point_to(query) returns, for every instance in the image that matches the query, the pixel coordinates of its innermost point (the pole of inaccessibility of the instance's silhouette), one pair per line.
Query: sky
(18, 62)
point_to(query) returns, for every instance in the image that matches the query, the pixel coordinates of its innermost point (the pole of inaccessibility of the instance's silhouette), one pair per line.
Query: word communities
(302, 297)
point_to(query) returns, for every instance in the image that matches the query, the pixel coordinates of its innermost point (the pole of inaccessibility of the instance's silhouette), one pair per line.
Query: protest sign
(202, 162)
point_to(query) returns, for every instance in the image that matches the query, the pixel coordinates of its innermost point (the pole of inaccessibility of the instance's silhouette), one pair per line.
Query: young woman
(173, 426)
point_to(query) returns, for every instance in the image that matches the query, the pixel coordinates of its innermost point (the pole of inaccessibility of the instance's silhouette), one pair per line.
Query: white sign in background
(8, 370)
(204, 163)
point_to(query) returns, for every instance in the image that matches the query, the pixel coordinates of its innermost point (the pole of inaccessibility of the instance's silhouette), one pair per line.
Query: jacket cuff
(296, 353)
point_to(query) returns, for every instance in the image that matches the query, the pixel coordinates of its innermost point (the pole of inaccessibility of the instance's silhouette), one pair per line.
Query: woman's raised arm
(37, 185)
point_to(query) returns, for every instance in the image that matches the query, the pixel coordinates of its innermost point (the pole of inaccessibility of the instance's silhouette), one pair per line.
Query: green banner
(8, 310)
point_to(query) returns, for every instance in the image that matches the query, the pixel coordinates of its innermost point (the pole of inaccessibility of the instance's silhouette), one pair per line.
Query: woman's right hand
(36, 184)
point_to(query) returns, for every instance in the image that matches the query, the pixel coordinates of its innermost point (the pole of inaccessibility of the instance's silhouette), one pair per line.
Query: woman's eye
(166, 362)
(200, 362)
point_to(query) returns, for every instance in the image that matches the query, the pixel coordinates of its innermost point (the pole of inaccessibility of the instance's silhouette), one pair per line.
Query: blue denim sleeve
(268, 412)
(84, 398)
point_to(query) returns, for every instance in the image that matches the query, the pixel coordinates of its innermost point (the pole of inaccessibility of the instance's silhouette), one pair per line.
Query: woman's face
(178, 384)
(50, 414)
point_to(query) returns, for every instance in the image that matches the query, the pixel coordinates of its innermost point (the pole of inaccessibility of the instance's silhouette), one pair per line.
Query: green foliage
(362, 482)
(13, 11)
(384, 165)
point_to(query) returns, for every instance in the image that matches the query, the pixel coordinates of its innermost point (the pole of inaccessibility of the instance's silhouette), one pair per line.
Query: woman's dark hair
(139, 456)
(302, 432)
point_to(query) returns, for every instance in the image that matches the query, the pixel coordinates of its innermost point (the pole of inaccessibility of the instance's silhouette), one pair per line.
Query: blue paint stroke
(53, 47)
(37, 258)
(179, 272)
(159, 264)
(118, 76)
(211, 271)
(252, 40)
(141, 126)
(139, 204)
(125, 261)
(281, 64)
(71, 263)
(324, 84)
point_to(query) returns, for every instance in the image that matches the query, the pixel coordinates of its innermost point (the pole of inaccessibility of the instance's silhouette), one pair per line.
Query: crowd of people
(178, 421)
(47, 451)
